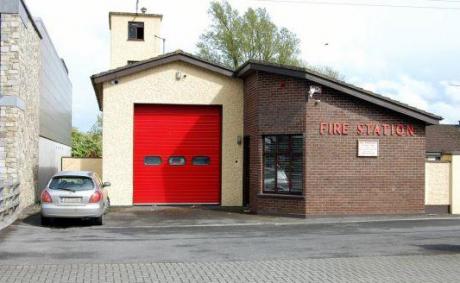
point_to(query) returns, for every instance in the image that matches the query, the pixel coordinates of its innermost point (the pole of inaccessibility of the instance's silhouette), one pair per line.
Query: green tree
(88, 145)
(233, 39)
(96, 129)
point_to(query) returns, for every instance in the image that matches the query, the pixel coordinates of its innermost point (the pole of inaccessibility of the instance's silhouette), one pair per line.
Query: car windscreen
(74, 183)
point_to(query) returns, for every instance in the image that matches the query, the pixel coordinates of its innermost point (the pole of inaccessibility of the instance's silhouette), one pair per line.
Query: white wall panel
(50, 154)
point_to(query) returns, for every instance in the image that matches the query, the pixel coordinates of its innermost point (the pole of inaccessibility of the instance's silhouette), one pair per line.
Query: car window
(74, 183)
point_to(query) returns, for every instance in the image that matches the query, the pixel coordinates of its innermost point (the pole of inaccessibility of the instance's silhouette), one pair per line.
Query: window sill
(135, 39)
(281, 196)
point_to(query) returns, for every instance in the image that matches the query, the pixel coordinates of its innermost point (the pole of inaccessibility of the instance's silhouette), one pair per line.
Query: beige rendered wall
(159, 86)
(82, 164)
(123, 49)
(455, 184)
(437, 183)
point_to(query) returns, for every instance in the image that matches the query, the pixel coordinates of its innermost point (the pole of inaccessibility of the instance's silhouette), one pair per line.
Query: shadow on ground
(34, 220)
(442, 248)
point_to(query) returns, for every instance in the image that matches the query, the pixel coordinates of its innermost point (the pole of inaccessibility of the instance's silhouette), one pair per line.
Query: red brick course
(336, 181)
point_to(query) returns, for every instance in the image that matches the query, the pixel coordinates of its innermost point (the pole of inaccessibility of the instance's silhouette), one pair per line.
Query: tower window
(135, 31)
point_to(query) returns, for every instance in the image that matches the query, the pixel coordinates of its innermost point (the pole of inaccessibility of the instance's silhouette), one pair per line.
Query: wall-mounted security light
(314, 90)
(180, 76)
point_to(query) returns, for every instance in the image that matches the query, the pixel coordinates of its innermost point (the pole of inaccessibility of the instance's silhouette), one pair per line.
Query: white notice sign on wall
(368, 148)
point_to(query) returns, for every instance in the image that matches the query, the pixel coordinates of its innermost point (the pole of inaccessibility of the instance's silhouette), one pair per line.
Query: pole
(164, 42)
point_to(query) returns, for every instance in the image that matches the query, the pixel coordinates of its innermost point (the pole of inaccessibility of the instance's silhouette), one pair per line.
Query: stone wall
(19, 121)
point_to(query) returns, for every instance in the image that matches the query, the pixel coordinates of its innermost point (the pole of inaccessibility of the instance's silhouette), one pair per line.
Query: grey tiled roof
(340, 82)
(443, 138)
(287, 70)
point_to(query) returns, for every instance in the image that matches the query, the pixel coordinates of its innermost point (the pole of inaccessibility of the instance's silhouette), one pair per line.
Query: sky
(409, 54)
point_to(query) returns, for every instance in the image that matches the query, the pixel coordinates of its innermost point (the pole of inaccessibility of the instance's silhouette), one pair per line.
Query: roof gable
(177, 56)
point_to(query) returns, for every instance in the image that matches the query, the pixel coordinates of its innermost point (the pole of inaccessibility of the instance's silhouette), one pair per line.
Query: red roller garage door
(177, 151)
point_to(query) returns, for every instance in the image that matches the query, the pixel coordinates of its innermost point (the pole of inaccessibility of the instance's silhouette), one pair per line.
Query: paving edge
(370, 257)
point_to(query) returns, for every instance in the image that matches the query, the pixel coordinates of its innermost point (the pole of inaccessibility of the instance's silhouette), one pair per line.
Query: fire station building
(178, 129)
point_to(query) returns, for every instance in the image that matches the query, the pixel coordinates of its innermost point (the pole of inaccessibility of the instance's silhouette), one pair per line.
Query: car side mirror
(106, 184)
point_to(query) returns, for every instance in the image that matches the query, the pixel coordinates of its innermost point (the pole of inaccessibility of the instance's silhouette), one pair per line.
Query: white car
(79, 194)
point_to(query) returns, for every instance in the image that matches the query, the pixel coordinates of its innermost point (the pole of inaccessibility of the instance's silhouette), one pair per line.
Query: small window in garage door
(200, 160)
(152, 160)
(177, 161)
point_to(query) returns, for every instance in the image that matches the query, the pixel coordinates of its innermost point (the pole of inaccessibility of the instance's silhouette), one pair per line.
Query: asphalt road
(215, 236)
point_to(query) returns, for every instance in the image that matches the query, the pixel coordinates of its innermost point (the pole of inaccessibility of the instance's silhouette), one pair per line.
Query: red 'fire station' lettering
(345, 128)
(386, 129)
(410, 130)
(322, 128)
(367, 129)
(360, 129)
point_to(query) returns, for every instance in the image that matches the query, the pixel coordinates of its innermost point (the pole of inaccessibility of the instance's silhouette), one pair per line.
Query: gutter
(31, 19)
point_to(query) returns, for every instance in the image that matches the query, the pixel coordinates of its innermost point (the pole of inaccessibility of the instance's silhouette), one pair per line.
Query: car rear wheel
(98, 220)
(46, 221)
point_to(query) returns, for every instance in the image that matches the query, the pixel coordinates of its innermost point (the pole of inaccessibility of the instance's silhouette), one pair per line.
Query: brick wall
(336, 180)
(273, 105)
(339, 182)
(250, 130)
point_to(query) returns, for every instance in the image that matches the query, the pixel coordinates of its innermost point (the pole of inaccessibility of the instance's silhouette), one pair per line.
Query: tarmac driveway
(148, 244)
(161, 217)
(183, 234)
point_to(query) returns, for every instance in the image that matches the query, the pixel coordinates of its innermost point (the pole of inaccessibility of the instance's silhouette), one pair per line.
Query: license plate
(71, 200)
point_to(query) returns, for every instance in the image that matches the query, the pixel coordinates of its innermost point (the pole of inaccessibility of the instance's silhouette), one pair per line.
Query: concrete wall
(437, 183)
(50, 154)
(19, 122)
(82, 164)
(159, 86)
(123, 50)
